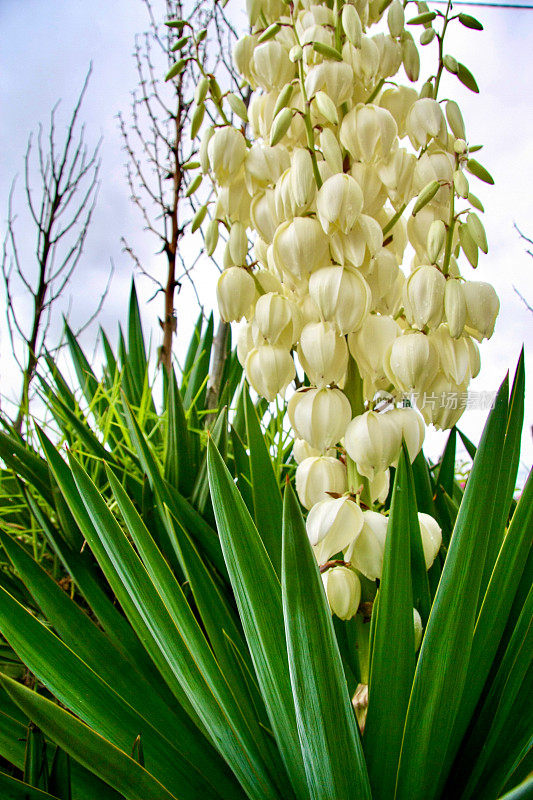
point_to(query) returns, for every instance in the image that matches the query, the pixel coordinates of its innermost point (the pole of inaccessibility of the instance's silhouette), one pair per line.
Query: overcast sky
(47, 47)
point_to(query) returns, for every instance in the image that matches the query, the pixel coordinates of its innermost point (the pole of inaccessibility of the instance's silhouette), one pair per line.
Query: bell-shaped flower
(342, 295)
(379, 487)
(331, 150)
(335, 78)
(364, 240)
(276, 321)
(272, 67)
(366, 552)
(431, 534)
(269, 370)
(302, 179)
(370, 344)
(332, 525)
(412, 428)
(425, 122)
(373, 441)
(475, 359)
(455, 307)
(317, 478)
(434, 165)
(374, 191)
(263, 165)
(398, 100)
(300, 246)
(235, 293)
(243, 51)
(264, 216)
(226, 151)
(319, 416)
(441, 403)
(412, 361)
(238, 244)
(424, 297)
(381, 274)
(323, 353)
(364, 60)
(233, 202)
(482, 306)
(454, 355)
(343, 591)
(368, 132)
(339, 203)
(245, 342)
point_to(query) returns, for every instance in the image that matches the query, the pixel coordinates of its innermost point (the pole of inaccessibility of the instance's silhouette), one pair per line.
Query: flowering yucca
(336, 157)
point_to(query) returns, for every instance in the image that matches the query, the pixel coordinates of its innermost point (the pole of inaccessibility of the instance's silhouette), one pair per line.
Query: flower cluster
(338, 152)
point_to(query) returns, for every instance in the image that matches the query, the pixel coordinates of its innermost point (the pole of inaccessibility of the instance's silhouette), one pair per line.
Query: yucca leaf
(494, 613)
(13, 789)
(178, 466)
(91, 698)
(327, 729)
(200, 494)
(522, 792)
(197, 380)
(242, 469)
(137, 359)
(35, 762)
(509, 468)
(60, 781)
(265, 489)
(109, 762)
(192, 350)
(86, 378)
(443, 661)
(204, 536)
(111, 367)
(175, 631)
(258, 595)
(423, 485)
(27, 464)
(393, 650)
(63, 389)
(501, 734)
(87, 640)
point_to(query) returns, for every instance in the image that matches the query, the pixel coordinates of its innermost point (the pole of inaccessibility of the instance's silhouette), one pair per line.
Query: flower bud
(302, 179)
(425, 121)
(276, 321)
(323, 354)
(351, 23)
(342, 295)
(319, 416)
(343, 591)
(436, 239)
(460, 183)
(226, 151)
(412, 428)
(330, 149)
(269, 370)
(300, 246)
(412, 361)
(339, 203)
(238, 244)
(482, 306)
(370, 344)
(411, 58)
(424, 297)
(396, 18)
(455, 119)
(431, 534)
(417, 622)
(235, 293)
(332, 525)
(368, 132)
(316, 477)
(366, 552)
(325, 106)
(373, 441)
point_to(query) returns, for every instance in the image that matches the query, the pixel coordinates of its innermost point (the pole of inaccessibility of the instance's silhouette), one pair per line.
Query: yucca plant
(188, 649)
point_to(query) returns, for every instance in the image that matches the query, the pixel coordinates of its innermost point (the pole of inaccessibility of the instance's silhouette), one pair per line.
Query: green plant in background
(188, 649)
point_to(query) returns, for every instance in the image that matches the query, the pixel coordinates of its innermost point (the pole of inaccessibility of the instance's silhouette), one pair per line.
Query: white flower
(226, 150)
(373, 440)
(342, 295)
(269, 370)
(332, 525)
(431, 534)
(446, 411)
(482, 306)
(300, 246)
(323, 353)
(455, 307)
(368, 132)
(343, 591)
(370, 344)
(317, 476)
(412, 361)
(424, 297)
(276, 320)
(271, 66)
(235, 293)
(425, 121)
(319, 416)
(412, 428)
(366, 552)
(333, 78)
(302, 450)
(339, 203)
